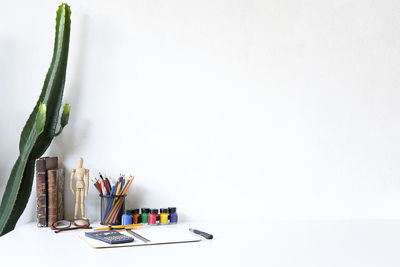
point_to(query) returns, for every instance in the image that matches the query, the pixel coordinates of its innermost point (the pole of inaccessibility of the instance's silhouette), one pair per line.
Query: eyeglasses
(65, 225)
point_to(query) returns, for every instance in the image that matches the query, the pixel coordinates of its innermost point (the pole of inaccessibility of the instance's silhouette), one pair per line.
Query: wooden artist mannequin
(81, 187)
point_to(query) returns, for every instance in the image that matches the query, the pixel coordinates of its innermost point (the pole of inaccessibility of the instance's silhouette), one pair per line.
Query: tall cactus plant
(40, 129)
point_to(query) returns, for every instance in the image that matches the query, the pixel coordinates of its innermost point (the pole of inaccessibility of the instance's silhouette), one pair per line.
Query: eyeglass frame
(57, 229)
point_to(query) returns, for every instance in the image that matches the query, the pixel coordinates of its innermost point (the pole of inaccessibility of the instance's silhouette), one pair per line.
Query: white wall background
(284, 109)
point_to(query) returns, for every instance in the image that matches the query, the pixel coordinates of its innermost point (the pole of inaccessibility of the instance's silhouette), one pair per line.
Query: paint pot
(136, 216)
(153, 217)
(164, 216)
(173, 216)
(145, 215)
(126, 219)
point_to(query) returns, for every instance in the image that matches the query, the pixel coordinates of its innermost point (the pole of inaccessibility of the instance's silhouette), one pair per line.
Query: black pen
(203, 234)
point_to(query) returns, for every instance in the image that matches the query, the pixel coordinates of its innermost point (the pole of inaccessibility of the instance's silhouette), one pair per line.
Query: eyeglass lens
(62, 224)
(81, 222)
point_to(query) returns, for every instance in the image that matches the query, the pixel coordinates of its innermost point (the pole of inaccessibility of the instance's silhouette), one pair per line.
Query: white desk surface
(278, 243)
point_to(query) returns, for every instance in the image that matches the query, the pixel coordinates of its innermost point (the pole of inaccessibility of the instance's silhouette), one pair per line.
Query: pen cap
(154, 211)
(145, 210)
(163, 210)
(171, 209)
(135, 211)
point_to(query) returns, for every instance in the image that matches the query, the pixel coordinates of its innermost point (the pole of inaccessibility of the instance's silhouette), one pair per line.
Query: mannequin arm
(87, 182)
(71, 179)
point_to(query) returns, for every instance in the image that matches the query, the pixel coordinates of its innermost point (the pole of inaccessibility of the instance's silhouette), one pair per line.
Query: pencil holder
(112, 208)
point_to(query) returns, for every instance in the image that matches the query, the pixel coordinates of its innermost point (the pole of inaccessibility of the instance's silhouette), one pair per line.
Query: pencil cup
(112, 208)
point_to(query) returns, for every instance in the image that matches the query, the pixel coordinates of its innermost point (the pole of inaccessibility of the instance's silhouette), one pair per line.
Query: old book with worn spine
(51, 197)
(41, 192)
(60, 193)
(42, 165)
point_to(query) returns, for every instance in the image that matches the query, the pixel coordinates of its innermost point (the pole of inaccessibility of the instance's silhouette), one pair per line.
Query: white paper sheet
(157, 235)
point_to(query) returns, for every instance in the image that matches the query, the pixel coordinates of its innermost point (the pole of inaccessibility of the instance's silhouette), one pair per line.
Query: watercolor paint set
(151, 216)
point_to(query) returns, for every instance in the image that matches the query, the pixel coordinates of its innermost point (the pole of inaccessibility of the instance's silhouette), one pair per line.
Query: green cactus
(40, 129)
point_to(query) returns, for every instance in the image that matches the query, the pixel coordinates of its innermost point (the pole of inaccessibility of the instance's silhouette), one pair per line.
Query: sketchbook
(155, 234)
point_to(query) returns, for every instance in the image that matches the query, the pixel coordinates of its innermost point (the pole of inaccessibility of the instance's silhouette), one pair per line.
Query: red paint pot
(153, 216)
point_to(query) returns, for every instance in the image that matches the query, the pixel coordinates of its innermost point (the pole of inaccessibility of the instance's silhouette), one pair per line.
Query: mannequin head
(80, 162)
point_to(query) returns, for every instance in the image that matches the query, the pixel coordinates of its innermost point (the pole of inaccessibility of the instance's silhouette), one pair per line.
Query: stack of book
(49, 191)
